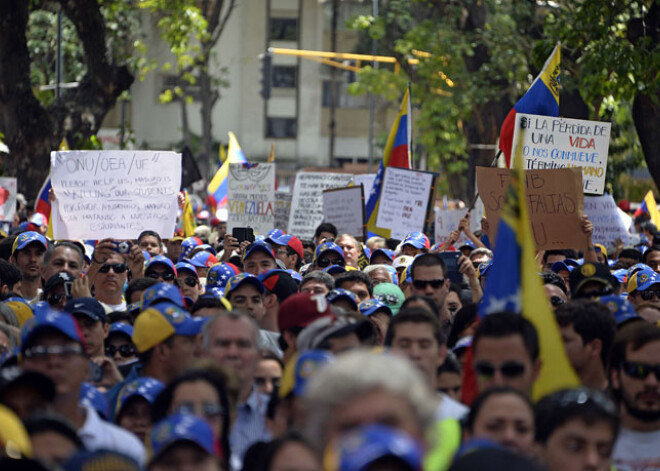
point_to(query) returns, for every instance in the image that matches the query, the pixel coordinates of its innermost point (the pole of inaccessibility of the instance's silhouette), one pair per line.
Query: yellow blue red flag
(650, 207)
(217, 188)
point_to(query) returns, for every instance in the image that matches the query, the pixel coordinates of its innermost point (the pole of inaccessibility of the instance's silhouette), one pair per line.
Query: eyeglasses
(422, 284)
(557, 301)
(387, 298)
(324, 262)
(55, 298)
(582, 396)
(41, 352)
(509, 369)
(210, 410)
(190, 281)
(648, 294)
(126, 350)
(118, 268)
(639, 370)
(166, 276)
(262, 381)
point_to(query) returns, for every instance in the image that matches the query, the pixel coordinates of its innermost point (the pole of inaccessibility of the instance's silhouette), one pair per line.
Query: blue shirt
(250, 427)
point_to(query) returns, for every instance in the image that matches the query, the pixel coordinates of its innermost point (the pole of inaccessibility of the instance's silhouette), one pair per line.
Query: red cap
(302, 309)
(624, 205)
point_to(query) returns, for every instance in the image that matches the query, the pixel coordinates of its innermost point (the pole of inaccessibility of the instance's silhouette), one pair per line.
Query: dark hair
(453, 287)
(138, 284)
(648, 226)
(504, 324)
(587, 405)
(325, 227)
(464, 318)
(6, 245)
(568, 253)
(551, 278)
(591, 320)
(415, 298)
(152, 234)
(214, 377)
(289, 252)
(69, 245)
(450, 365)
(481, 399)
(635, 336)
(642, 217)
(50, 422)
(9, 274)
(207, 301)
(355, 276)
(415, 315)
(319, 276)
(427, 260)
(120, 316)
(260, 456)
(653, 248)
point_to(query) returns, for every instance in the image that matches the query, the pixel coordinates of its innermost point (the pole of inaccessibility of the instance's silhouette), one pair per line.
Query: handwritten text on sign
(447, 220)
(564, 143)
(608, 224)
(251, 196)
(404, 201)
(307, 203)
(114, 194)
(282, 210)
(344, 208)
(554, 200)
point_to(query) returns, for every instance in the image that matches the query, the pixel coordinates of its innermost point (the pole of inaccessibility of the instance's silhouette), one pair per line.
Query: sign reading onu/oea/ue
(550, 142)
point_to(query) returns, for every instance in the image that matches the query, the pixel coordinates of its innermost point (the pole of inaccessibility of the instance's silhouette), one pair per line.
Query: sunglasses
(649, 294)
(126, 350)
(324, 262)
(639, 370)
(422, 284)
(41, 352)
(509, 369)
(190, 281)
(118, 268)
(55, 298)
(167, 276)
(209, 410)
(557, 301)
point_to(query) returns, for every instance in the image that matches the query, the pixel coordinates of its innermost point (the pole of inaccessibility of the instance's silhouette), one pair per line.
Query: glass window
(283, 29)
(281, 127)
(285, 76)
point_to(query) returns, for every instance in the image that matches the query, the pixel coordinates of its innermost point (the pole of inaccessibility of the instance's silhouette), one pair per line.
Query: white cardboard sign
(251, 197)
(608, 223)
(344, 207)
(446, 220)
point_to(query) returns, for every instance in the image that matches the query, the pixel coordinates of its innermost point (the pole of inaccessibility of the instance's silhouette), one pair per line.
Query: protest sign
(282, 210)
(446, 220)
(404, 201)
(550, 142)
(7, 198)
(115, 194)
(554, 199)
(251, 196)
(307, 202)
(344, 207)
(608, 223)
(367, 181)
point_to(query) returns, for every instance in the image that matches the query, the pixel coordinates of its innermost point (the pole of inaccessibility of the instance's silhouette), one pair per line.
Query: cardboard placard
(251, 196)
(282, 210)
(554, 199)
(446, 220)
(606, 218)
(344, 207)
(8, 190)
(307, 203)
(404, 201)
(116, 194)
(550, 142)
(367, 181)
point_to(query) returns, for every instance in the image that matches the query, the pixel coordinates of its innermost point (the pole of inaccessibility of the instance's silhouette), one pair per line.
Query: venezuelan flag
(649, 206)
(42, 205)
(542, 98)
(188, 217)
(397, 154)
(217, 188)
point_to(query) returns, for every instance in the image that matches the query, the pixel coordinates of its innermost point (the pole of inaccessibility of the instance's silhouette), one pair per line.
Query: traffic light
(266, 74)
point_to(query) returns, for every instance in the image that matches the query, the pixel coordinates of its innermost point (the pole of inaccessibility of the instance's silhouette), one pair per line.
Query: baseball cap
(187, 246)
(390, 294)
(91, 396)
(159, 322)
(620, 308)
(205, 248)
(56, 280)
(259, 246)
(219, 274)
(162, 292)
(601, 248)
(315, 334)
(38, 219)
(386, 252)
(49, 319)
(144, 387)
(341, 293)
(279, 282)
(307, 364)
(637, 267)
(274, 234)
(243, 278)
(561, 265)
(417, 240)
(295, 275)
(203, 259)
(181, 428)
(27, 238)
(462, 344)
(590, 272)
(14, 376)
(89, 307)
(160, 260)
(643, 280)
(402, 261)
(121, 328)
(301, 309)
(185, 266)
(291, 241)
(372, 306)
(328, 247)
(105, 460)
(12, 433)
(22, 310)
(334, 269)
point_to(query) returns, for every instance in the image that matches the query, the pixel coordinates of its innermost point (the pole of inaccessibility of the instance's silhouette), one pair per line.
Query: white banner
(344, 207)
(446, 220)
(251, 197)
(608, 223)
(282, 210)
(7, 198)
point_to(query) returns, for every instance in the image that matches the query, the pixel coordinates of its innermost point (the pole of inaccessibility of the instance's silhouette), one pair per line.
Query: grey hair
(8, 316)
(12, 333)
(235, 315)
(321, 277)
(355, 241)
(357, 373)
(481, 251)
(368, 269)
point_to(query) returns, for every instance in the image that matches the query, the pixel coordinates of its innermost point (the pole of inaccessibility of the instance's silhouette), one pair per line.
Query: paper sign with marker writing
(608, 224)
(251, 197)
(404, 201)
(116, 194)
(550, 142)
(344, 207)
(7, 198)
(307, 204)
(282, 209)
(554, 199)
(446, 220)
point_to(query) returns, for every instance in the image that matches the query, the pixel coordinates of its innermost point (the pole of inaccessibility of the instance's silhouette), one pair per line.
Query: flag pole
(476, 195)
(409, 125)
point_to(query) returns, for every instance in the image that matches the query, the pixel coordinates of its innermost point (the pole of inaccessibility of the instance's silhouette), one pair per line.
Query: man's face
(578, 353)
(410, 250)
(116, 342)
(189, 284)
(653, 260)
(111, 282)
(504, 362)
(431, 282)
(337, 345)
(160, 272)
(552, 259)
(222, 229)
(173, 249)
(282, 253)
(64, 259)
(314, 287)
(258, 262)
(650, 295)
(380, 275)
(350, 250)
(358, 288)
(381, 259)
(30, 261)
(249, 298)
(578, 446)
(94, 332)
(416, 341)
(640, 396)
(181, 353)
(151, 245)
(327, 258)
(232, 344)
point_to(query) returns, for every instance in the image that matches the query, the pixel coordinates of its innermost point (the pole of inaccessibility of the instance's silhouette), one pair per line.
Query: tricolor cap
(279, 282)
(417, 240)
(49, 319)
(203, 259)
(274, 234)
(159, 322)
(241, 279)
(601, 249)
(295, 275)
(328, 247)
(22, 310)
(161, 292)
(467, 244)
(620, 308)
(334, 270)
(637, 267)
(386, 252)
(27, 238)
(185, 266)
(121, 328)
(561, 265)
(178, 234)
(219, 274)
(290, 240)
(188, 245)
(160, 260)
(259, 246)
(94, 398)
(393, 273)
(402, 261)
(307, 364)
(181, 428)
(643, 280)
(38, 219)
(144, 387)
(620, 274)
(372, 306)
(340, 293)
(205, 248)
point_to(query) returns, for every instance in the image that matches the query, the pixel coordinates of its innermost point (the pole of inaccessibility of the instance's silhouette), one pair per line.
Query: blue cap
(216, 293)
(259, 246)
(417, 240)
(622, 310)
(162, 292)
(49, 319)
(484, 268)
(91, 396)
(643, 280)
(273, 235)
(386, 252)
(371, 306)
(218, 275)
(147, 255)
(178, 428)
(144, 387)
(307, 364)
(393, 273)
(340, 293)
(620, 274)
(357, 449)
(159, 322)
(121, 328)
(467, 243)
(207, 248)
(160, 260)
(637, 267)
(185, 266)
(241, 279)
(462, 344)
(295, 275)
(89, 307)
(561, 265)
(203, 259)
(27, 238)
(188, 245)
(328, 247)
(334, 269)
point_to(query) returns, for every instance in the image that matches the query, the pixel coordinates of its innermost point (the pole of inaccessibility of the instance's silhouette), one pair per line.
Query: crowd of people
(279, 354)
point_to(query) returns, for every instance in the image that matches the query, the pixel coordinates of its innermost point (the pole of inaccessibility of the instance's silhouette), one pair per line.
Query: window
(343, 99)
(171, 81)
(285, 76)
(283, 29)
(281, 127)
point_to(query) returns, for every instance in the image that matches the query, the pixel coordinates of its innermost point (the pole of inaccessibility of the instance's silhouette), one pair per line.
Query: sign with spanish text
(344, 207)
(549, 142)
(282, 210)
(447, 220)
(251, 197)
(114, 194)
(606, 218)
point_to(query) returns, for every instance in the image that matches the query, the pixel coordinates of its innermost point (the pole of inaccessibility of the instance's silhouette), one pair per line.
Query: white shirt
(449, 408)
(635, 451)
(113, 307)
(98, 434)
